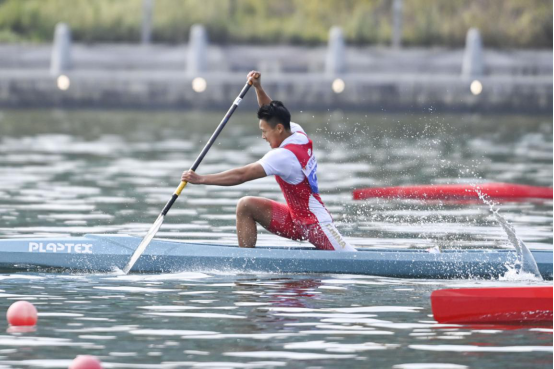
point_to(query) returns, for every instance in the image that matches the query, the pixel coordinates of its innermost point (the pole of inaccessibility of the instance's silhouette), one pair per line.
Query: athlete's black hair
(275, 113)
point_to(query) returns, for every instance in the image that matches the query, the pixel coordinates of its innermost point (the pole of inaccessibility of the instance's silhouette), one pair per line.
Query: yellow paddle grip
(180, 188)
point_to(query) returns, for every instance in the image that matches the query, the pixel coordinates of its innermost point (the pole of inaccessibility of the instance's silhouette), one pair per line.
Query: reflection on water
(69, 173)
(213, 320)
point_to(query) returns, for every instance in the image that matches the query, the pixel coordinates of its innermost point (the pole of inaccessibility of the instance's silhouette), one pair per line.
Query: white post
(473, 64)
(61, 50)
(146, 31)
(335, 62)
(197, 50)
(397, 23)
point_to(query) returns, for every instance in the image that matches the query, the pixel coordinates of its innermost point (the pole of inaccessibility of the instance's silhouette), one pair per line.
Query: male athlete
(292, 162)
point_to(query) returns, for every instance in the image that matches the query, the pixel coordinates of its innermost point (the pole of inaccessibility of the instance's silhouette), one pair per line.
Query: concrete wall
(135, 76)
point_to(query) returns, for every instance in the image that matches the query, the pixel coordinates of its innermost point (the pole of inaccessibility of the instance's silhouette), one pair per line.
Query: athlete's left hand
(191, 177)
(255, 78)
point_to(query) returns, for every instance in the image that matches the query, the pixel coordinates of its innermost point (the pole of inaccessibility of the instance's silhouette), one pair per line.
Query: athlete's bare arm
(230, 177)
(263, 97)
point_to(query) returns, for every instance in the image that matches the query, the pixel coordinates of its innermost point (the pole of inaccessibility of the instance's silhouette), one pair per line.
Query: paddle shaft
(207, 147)
(158, 223)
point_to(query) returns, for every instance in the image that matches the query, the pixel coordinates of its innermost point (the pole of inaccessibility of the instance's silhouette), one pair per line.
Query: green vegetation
(503, 23)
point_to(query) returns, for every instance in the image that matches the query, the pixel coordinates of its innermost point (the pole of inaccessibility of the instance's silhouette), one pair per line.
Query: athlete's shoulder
(295, 127)
(279, 162)
(276, 155)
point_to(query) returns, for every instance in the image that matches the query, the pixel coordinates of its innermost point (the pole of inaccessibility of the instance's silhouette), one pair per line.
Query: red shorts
(323, 236)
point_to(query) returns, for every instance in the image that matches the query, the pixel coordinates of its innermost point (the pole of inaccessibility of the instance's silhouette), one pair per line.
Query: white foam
(430, 366)
(123, 354)
(200, 315)
(352, 319)
(197, 292)
(352, 281)
(196, 352)
(256, 336)
(339, 347)
(360, 309)
(547, 330)
(516, 275)
(115, 328)
(287, 355)
(487, 331)
(60, 314)
(378, 309)
(39, 341)
(94, 337)
(204, 301)
(136, 289)
(169, 332)
(179, 308)
(40, 363)
(328, 315)
(19, 276)
(160, 277)
(224, 364)
(349, 332)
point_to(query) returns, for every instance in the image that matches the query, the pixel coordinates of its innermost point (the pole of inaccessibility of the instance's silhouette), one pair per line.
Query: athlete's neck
(284, 136)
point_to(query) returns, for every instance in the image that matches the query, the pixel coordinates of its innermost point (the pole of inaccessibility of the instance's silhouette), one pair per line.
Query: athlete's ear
(280, 128)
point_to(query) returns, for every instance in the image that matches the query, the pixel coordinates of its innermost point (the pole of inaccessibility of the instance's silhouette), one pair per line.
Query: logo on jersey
(336, 235)
(310, 172)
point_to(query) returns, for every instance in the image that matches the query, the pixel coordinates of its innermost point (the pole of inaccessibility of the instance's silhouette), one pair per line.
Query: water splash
(527, 264)
(144, 244)
(516, 274)
(526, 259)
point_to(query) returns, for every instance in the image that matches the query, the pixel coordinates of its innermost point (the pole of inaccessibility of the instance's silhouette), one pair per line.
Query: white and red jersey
(304, 217)
(294, 166)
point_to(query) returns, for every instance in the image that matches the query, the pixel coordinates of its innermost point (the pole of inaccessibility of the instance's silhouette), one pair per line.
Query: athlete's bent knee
(245, 205)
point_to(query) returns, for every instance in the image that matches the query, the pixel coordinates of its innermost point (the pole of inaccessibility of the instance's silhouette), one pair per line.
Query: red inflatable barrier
(455, 191)
(493, 305)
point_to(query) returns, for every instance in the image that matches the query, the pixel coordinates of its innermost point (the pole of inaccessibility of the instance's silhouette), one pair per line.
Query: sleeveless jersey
(303, 198)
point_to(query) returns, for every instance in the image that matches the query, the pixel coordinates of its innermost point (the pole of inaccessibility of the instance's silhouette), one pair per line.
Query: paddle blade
(144, 244)
(528, 262)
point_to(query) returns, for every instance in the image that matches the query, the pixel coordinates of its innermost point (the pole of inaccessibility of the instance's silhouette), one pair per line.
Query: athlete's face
(273, 135)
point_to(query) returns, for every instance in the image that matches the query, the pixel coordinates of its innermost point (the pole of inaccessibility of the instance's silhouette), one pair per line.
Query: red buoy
(86, 362)
(22, 313)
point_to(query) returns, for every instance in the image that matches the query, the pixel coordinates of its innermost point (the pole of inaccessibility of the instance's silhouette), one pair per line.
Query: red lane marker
(455, 191)
(493, 305)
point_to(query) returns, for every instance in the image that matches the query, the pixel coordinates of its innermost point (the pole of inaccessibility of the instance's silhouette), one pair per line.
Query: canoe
(94, 253)
(455, 191)
(493, 305)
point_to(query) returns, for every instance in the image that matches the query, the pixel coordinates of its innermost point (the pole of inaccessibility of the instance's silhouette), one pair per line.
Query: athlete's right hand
(255, 78)
(190, 176)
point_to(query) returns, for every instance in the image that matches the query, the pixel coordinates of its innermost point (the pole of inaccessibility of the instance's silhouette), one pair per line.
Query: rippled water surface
(73, 172)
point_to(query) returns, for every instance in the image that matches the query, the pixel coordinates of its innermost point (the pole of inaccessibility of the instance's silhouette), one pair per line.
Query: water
(253, 321)
(69, 173)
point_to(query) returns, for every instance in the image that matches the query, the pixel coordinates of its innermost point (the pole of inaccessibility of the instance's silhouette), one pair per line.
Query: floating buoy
(22, 313)
(493, 305)
(86, 362)
(455, 191)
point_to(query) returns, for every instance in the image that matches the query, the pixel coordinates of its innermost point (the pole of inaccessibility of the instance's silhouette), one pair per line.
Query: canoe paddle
(158, 223)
